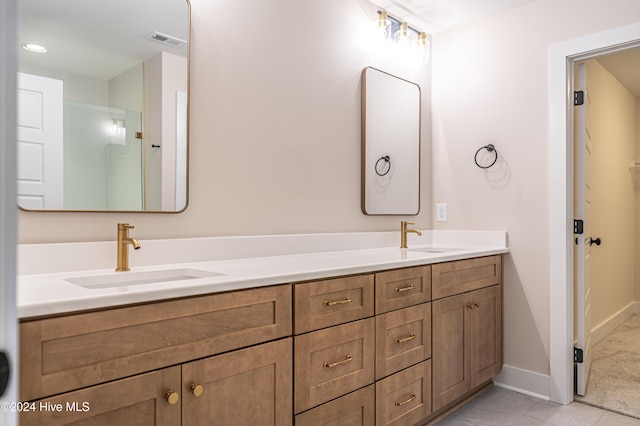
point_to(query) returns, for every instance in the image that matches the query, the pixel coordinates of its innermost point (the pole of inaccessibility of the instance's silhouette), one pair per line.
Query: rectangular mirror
(390, 144)
(103, 110)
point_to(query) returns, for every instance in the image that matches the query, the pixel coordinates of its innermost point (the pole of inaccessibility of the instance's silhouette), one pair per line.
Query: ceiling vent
(167, 39)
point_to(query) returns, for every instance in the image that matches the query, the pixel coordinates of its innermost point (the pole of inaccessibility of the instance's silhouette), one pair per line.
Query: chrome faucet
(123, 246)
(403, 233)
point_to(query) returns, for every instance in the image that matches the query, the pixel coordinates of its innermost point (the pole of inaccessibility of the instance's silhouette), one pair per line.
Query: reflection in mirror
(103, 112)
(390, 144)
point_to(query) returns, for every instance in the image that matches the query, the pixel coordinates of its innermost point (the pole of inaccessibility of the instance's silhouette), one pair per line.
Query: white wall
(275, 126)
(491, 86)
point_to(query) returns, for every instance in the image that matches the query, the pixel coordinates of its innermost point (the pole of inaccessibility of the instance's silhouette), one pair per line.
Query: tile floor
(498, 407)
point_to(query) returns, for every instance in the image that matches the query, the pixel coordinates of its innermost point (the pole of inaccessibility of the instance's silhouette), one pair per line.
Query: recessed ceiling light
(33, 47)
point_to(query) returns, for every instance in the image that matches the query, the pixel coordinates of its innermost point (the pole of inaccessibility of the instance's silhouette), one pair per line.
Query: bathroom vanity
(400, 346)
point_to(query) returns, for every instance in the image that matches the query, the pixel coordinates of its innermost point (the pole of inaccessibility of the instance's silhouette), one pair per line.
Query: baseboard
(524, 381)
(606, 327)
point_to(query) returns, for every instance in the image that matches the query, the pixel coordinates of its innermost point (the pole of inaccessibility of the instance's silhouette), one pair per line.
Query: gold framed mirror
(390, 144)
(103, 113)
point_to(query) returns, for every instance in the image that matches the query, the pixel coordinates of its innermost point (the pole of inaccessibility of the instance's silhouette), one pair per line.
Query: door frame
(8, 206)
(562, 57)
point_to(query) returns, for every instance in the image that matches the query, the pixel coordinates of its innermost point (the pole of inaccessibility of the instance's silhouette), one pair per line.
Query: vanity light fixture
(34, 47)
(398, 31)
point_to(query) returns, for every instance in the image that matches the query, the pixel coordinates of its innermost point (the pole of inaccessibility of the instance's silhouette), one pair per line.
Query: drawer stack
(362, 348)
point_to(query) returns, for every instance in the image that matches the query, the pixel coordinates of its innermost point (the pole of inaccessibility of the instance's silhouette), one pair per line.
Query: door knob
(172, 397)
(197, 390)
(595, 241)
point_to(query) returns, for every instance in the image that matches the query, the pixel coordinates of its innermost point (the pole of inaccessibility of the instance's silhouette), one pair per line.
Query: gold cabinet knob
(172, 397)
(197, 390)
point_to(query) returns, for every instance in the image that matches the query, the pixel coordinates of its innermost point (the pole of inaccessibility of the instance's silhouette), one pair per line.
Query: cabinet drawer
(354, 409)
(400, 288)
(451, 278)
(70, 352)
(325, 303)
(405, 397)
(329, 363)
(403, 338)
(138, 400)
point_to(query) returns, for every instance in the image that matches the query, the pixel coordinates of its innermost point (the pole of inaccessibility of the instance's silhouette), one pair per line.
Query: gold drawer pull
(337, 363)
(406, 339)
(197, 390)
(401, 289)
(172, 397)
(338, 302)
(401, 403)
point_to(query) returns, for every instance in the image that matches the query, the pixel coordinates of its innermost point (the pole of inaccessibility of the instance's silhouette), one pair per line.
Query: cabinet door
(250, 386)
(450, 346)
(486, 334)
(137, 400)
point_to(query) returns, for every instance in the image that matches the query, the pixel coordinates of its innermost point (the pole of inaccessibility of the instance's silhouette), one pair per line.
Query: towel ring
(387, 161)
(489, 148)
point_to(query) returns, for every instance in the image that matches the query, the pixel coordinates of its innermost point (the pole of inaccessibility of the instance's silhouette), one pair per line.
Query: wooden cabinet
(78, 350)
(396, 347)
(109, 350)
(467, 343)
(252, 386)
(358, 365)
(244, 387)
(138, 400)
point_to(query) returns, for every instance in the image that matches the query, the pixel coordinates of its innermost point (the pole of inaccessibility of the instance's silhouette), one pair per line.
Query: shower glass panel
(102, 157)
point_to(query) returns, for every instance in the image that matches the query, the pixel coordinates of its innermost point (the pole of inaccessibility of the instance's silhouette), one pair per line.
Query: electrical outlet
(441, 212)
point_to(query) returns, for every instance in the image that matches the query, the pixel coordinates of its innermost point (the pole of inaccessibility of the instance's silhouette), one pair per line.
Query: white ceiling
(99, 38)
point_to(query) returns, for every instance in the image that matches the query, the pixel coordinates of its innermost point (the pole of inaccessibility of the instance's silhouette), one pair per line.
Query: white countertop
(51, 293)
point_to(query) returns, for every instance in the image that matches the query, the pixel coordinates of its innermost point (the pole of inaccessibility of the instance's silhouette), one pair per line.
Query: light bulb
(402, 36)
(383, 24)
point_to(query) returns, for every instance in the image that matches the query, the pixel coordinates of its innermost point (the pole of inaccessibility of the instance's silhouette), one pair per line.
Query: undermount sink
(122, 279)
(435, 249)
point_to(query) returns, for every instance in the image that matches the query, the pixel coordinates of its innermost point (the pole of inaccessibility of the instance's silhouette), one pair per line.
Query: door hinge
(4, 372)
(578, 97)
(578, 226)
(578, 355)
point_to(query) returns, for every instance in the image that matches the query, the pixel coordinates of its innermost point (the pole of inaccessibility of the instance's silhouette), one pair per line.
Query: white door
(40, 149)
(582, 209)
